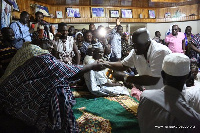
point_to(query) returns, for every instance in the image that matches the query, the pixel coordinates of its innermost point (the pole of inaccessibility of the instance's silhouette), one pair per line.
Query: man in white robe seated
(97, 81)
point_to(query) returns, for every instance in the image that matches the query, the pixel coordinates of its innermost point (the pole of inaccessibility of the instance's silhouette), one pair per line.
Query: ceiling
(118, 3)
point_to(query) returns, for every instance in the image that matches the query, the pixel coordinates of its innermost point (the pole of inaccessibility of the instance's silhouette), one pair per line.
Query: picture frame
(97, 12)
(114, 13)
(42, 9)
(167, 15)
(72, 12)
(59, 14)
(152, 14)
(97, 2)
(14, 5)
(114, 2)
(6, 16)
(72, 2)
(126, 13)
(126, 2)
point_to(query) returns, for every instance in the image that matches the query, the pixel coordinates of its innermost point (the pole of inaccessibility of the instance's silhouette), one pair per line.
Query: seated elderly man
(166, 110)
(7, 51)
(97, 81)
(35, 89)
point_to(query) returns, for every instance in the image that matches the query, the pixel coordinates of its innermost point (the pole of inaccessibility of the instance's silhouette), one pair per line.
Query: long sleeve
(116, 45)
(16, 30)
(22, 35)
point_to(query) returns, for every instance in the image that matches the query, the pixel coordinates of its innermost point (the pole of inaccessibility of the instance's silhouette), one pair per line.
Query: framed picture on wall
(126, 2)
(59, 14)
(126, 13)
(114, 13)
(42, 9)
(167, 15)
(73, 12)
(152, 14)
(96, 2)
(97, 12)
(114, 2)
(14, 4)
(70, 2)
(5, 14)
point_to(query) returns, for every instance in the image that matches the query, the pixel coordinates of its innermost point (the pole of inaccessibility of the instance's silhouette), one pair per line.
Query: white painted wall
(152, 27)
(163, 27)
(198, 26)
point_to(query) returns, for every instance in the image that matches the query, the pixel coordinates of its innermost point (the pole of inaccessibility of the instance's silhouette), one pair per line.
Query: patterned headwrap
(193, 60)
(77, 34)
(126, 34)
(97, 45)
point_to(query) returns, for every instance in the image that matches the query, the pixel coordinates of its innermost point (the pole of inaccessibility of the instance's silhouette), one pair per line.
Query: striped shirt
(116, 45)
(21, 32)
(196, 41)
(6, 52)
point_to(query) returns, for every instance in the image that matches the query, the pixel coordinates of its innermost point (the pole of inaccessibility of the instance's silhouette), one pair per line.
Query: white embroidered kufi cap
(90, 46)
(176, 64)
(77, 34)
(97, 45)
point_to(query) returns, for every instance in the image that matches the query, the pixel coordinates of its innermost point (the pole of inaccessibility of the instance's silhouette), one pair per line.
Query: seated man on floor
(97, 81)
(166, 110)
(35, 89)
(7, 50)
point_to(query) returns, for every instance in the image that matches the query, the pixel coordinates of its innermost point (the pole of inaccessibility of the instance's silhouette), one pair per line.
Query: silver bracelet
(125, 78)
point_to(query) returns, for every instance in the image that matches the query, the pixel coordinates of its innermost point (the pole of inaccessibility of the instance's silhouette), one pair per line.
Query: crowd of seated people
(103, 46)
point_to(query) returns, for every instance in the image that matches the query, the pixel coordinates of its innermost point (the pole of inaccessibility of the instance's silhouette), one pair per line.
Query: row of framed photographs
(100, 12)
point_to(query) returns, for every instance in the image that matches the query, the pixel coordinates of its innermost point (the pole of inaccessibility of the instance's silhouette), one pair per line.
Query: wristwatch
(125, 77)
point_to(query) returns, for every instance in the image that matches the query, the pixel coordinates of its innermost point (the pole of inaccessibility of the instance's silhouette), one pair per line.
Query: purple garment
(196, 41)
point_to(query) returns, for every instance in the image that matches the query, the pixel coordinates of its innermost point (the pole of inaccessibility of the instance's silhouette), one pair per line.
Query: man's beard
(63, 37)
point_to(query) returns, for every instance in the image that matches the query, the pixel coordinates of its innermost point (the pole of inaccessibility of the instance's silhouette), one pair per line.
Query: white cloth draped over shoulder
(95, 81)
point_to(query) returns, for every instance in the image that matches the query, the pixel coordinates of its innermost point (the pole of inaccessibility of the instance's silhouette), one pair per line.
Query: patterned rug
(105, 114)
